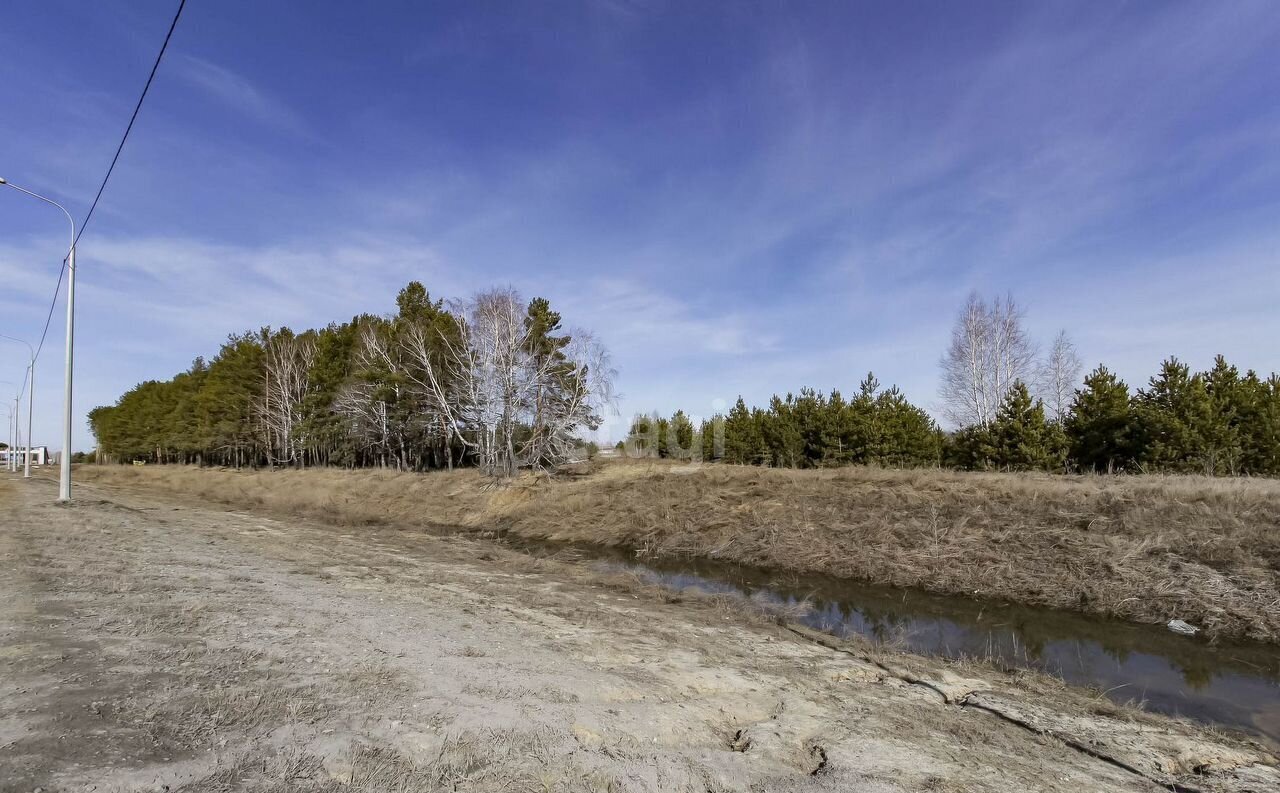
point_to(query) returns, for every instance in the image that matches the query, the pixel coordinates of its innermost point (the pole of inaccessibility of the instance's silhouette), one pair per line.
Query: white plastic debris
(1185, 628)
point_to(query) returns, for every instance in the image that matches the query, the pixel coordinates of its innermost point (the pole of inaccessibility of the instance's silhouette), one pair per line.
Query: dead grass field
(153, 642)
(1146, 548)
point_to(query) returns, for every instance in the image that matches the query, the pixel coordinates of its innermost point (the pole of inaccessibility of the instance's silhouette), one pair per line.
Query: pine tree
(738, 429)
(1021, 439)
(1173, 416)
(837, 452)
(1099, 426)
(558, 380)
(969, 449)
(904, 435)
(680, 439)
(662, 430)
(1262, 450)
(369, 391)
(813, 422)
(780, 433)
(413, 302)
(324, 430)
(1232, 416)
(857, 426)
(415, 414)
(642, 438)
(711, 438)
(742, 439)
(541, 325)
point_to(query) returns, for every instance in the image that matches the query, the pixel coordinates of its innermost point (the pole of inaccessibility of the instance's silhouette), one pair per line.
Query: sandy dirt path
(152, 643)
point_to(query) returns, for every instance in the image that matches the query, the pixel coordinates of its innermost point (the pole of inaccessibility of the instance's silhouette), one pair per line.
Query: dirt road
(151, 643)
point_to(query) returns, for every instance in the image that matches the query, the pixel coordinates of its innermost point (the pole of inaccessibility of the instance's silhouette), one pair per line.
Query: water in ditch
(1232, 684)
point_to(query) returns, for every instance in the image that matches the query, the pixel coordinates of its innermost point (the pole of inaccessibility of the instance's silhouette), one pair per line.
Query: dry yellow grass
(1146, 548)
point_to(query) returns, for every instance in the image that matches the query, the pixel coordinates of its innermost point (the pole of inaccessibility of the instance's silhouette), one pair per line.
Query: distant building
(39, 455)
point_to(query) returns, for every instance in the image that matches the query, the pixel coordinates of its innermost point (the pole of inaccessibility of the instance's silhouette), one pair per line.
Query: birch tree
(490, 369)
(365, 400)
(286, 362)
(491, 381)
(515, 390)
(990, 351)
(430, 344)
(1058, 376)
(572, 394)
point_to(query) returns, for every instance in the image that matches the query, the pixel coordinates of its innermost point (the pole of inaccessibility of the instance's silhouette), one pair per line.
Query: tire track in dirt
(280, 652)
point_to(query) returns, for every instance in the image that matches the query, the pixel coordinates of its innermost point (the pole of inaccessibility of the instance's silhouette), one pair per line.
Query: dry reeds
(1143, 548)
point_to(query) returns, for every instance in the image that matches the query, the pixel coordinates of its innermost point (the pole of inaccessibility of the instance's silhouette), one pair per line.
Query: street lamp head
(2, 181)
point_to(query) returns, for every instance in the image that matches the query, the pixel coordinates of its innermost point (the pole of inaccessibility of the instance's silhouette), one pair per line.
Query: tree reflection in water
(1235, 685)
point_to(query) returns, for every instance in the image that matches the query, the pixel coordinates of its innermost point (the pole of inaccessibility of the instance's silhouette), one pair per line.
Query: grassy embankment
(1145, 549)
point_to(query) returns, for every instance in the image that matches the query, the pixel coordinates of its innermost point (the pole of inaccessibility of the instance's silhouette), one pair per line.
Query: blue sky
(739, 198)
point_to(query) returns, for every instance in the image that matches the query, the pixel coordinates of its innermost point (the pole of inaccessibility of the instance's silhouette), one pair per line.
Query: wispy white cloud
(237, 93)
(786, 212)
(201, 291)
(640, 318)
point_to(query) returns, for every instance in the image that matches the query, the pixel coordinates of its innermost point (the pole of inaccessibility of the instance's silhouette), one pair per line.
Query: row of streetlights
(64, 461)
(14, 417)
(17, 413)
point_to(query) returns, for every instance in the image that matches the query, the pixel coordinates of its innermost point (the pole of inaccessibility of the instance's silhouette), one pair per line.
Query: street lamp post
(31, 401)
(13, 418)
(64, 461)
(13, 461)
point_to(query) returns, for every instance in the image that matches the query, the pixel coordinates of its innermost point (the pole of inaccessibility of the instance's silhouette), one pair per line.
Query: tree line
(490, 381)
(805, 430)
(1014, 410)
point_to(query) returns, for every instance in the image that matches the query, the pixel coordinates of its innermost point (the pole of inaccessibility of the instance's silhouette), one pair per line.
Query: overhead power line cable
(52, 305)
(84, 224)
